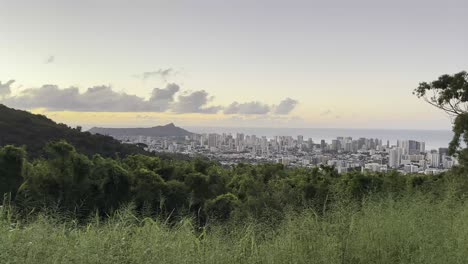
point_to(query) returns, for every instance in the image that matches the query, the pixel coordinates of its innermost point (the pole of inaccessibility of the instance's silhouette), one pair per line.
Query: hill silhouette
(22, 128)
(169, 130)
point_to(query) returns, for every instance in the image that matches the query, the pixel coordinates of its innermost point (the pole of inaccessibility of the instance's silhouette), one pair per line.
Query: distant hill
(22, 128)
(169, 130)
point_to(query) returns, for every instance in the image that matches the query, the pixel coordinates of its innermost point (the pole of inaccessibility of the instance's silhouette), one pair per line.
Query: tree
(60, 180)
(176, 196)
(222, 206)
(147, 189)
(110, 184)
(450, 93)
(198, 184)
(12, 160)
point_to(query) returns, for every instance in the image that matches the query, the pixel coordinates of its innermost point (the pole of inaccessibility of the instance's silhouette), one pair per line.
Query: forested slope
(21, 128)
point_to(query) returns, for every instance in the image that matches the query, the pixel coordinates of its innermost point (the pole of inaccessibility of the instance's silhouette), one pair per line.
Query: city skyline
(344, 153)
(263, 64)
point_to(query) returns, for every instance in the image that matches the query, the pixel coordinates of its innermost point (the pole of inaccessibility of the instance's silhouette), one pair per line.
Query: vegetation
(411, 229)
(65, 205)
(21, 128)
(71, 183)
(450, 94)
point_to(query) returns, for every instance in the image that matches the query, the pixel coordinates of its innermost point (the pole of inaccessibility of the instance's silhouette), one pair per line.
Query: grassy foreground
(405, 230)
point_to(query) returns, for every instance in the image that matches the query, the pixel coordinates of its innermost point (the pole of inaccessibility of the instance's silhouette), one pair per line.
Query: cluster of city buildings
(344, 153)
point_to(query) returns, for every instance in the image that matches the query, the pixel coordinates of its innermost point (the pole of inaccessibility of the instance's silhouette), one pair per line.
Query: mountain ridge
(22, 128)
(168, 130)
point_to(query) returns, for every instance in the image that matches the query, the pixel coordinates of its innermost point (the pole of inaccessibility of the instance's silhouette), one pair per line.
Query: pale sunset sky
(341, 64)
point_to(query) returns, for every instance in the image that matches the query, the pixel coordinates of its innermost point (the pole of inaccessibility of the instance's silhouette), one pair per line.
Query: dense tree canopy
(71, 182)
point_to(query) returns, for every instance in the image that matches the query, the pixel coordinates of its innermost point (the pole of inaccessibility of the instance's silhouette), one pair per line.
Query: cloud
(326, 112)
(161, 73)
(195, 102)
(286, 106)
(251, 108)
(50, 60)
(5, 88)
(104, 99)
(163, 98)
(94, 99)
(258, 108)
(262, 120)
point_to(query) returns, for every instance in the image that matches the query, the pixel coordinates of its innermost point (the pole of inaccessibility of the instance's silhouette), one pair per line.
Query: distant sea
(434, 138)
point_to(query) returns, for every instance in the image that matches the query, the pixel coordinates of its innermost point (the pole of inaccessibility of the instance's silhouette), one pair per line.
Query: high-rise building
(434, 159)
(348, 147)
(300, 139)
(394, 157)
(443, 152)
(212, 140)
(411, 146)
(422, 147)
(202, 140)
(335, 145)
(323, 145)
(361, 143)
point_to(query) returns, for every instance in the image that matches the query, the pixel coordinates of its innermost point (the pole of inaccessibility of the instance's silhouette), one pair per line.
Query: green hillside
(22, 128)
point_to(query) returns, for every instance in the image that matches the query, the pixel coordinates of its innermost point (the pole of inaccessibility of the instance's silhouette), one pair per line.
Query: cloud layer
(103, 99)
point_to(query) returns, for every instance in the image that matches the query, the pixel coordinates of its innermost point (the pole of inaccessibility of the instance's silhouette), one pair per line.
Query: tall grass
(413, 229)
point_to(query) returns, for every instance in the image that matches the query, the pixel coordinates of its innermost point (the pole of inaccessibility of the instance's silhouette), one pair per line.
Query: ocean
(434, 139)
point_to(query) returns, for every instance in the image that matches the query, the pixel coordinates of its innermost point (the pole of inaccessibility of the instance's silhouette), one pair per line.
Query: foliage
(415, 228)
(67, 207)
(12, 162)
(460, 129)
(71, 183)
(450, 93)
(22, 128)
(222, 206)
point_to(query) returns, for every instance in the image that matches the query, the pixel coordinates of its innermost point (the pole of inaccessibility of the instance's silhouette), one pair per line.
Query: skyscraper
(434, 159)
(300, 139)
(411, 146)
(394, 157)
(212, 140)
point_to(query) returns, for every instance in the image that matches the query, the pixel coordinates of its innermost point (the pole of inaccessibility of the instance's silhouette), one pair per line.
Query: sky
(340, 64)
